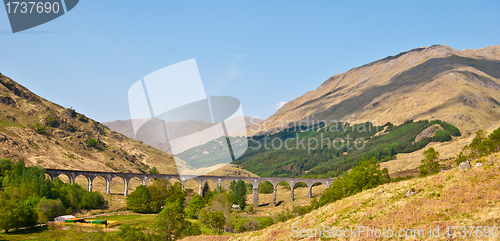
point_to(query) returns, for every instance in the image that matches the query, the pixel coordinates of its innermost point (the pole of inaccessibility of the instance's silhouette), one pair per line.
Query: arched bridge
(255, 181)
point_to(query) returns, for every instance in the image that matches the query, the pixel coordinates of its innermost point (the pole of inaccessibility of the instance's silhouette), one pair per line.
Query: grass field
(57, 232)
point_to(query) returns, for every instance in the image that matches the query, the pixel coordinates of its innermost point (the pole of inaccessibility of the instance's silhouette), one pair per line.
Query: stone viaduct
(255, 181)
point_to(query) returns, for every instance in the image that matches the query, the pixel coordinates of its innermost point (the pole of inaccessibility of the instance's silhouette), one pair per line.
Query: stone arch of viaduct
(255, 181)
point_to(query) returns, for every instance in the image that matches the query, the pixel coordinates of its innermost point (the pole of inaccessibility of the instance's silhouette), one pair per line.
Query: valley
(402, 124)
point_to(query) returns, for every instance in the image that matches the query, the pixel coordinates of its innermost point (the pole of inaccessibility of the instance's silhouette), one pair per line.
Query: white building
(61, 219)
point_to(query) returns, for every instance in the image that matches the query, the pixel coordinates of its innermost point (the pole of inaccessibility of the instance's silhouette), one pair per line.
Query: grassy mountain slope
(438, 82)
(46, 134)
(450, 198)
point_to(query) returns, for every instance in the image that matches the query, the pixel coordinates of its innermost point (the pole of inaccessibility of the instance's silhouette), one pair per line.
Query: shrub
(154, 171)
(110, 165)
(250, 209)
(284, 215)
(82, 118)
(51, 121)
(40, 129)
(91, 142)
(70, 127)
(265, 222)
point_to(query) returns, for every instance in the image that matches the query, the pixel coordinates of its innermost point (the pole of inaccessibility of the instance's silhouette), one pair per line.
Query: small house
(62, 219)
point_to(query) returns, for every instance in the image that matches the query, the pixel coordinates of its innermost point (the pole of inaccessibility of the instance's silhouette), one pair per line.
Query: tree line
(326, 161)
(28, 197)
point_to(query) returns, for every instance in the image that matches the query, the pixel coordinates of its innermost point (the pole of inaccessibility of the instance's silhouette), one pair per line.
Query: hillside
(46, 134)
(438, 82)
(450, 198)
(43, 133)
(325, 151)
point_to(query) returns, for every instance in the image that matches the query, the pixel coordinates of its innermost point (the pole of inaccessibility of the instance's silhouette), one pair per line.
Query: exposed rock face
(428, 132)
(464, 165)
(478, 164)
(410, 192)
(8, 101)
(70, 113)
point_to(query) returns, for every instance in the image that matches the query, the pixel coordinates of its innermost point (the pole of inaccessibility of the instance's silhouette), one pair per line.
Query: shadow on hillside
(37, 229)
(270, 204)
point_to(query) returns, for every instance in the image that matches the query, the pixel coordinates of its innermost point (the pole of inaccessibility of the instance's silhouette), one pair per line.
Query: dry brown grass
(411, 161)
(449, 198)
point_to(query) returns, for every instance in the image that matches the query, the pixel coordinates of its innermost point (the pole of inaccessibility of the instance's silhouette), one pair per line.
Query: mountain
(46, 134)
(43, 133)
(125, 127)
(461, 87)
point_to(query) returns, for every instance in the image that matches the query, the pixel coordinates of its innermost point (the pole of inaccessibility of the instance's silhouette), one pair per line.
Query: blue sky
(262, 52)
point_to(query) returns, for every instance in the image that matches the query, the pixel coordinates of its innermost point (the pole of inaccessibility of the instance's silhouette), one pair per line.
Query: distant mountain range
(461, 87)
(125, 127)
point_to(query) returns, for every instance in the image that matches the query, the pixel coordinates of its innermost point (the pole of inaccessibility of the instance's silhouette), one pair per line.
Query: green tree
(131, 233)
(27, 215)
(430, 163)
(7, 208)
(206, 193)
(138, 201)
(365, 175)
(478, 148)
(24, 182)
(195, 205)
(216, 220)
(16, 214)
(162, 191)
(48, 209)
(238, 191)
(170, 222)
(495, 138)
